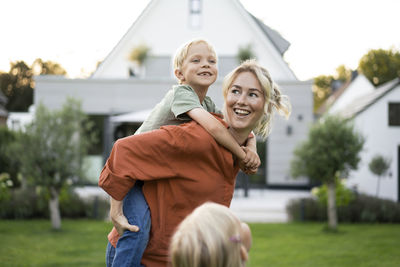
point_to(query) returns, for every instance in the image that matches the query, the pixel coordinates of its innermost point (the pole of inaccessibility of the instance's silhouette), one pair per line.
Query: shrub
(32, 203)
(362, 208)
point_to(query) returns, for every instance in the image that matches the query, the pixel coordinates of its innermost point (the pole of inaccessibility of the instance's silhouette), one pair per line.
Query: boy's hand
(121, 224)
(250, 163)
(252, 160)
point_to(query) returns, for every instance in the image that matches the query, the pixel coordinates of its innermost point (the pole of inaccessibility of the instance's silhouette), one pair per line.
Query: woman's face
(244, 102)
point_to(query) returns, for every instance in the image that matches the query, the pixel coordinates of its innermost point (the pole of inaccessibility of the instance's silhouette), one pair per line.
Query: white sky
(78, 33)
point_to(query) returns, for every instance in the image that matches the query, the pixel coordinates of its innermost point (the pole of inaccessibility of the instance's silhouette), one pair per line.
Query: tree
(8, 162)
(17, 85)
(321, 90)
(379, 166)
(380, 66)
(331, 150)
(245, 52)
(139, 54)
(322, 87)
(52, 148)
(41, 67)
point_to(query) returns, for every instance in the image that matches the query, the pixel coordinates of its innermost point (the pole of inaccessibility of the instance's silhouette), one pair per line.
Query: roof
(364, 102)
(276, 39)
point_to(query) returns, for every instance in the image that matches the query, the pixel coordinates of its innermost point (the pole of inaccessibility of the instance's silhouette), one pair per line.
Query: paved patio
(261, 205)
(264, 205)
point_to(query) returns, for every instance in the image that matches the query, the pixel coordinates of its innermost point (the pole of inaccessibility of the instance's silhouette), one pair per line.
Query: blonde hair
(274, 100)
(208, 237)
(182, 51)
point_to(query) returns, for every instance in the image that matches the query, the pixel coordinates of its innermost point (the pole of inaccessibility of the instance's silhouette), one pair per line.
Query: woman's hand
(118, 218)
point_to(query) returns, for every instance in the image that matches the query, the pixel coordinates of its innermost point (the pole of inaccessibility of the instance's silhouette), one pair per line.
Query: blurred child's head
(195, 64)
(274, 100)
(210, 236)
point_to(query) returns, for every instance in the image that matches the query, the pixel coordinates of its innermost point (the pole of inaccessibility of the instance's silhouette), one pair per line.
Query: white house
(356, 88)
(117, 87)
(377, 116)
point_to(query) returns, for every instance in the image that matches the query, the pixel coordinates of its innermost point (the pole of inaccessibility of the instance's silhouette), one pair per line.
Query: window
(394, 114)
(195, 13)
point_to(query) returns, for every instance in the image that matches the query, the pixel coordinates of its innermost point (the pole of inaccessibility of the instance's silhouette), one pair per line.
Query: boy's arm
(118, 218)
(252, 156)
(217, 130)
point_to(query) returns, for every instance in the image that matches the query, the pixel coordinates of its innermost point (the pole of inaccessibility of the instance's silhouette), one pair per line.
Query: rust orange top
(182, 166)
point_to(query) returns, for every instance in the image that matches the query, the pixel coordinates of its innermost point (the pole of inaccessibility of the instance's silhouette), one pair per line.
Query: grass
(33, 243)
(83, 242)
(308, 245)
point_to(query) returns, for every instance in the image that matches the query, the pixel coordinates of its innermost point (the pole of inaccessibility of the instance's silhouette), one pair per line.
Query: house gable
(165, 25)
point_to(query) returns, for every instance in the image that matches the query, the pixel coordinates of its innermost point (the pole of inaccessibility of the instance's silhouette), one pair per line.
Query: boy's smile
(199, 69)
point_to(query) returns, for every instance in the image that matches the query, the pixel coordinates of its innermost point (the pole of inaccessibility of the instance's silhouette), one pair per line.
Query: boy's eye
(195, 60)
(212, 61)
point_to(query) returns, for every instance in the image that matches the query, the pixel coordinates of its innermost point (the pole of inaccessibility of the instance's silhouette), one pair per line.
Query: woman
(183, 166)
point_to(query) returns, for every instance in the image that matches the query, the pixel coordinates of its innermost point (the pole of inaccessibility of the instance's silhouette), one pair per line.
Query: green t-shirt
(173, 107)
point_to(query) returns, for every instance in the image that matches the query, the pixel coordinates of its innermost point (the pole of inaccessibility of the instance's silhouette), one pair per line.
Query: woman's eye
(253, 95)
(235, 91)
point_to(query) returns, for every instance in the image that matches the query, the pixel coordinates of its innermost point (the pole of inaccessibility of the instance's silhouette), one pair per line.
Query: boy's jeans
(131, 245)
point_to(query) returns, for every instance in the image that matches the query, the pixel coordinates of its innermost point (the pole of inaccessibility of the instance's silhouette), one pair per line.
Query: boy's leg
(131, 245)
(110, 253)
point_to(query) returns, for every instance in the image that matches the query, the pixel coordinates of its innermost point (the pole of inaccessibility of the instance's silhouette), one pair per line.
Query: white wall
(280, 144)
(380, 139)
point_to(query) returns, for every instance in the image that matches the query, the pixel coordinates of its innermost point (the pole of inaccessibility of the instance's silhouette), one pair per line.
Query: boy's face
(199, 69)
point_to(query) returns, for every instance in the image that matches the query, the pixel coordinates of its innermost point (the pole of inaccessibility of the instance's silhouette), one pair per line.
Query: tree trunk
(54, 209)
(332, 215)
(377, 186)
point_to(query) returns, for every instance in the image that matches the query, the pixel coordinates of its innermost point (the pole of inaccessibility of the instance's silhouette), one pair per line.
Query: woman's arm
(217, 130)
(160, 154)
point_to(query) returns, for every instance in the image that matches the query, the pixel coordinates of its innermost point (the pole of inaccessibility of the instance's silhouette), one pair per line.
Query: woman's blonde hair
(182, 51)
(208, 237)
(274, 100)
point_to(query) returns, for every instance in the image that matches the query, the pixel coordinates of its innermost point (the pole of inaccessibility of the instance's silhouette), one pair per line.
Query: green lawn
(82, 243)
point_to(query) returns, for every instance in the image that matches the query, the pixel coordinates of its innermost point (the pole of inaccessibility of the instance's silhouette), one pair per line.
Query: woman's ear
(178, 74)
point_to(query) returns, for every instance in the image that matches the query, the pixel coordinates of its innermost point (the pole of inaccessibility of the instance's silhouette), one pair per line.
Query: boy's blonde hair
(181, 52)
(209, 236)
(274, 100)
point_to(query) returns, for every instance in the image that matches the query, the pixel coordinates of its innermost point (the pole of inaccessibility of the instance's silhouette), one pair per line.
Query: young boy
(195, 66)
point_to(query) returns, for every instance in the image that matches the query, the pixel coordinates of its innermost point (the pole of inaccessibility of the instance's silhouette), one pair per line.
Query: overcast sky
(323, 33)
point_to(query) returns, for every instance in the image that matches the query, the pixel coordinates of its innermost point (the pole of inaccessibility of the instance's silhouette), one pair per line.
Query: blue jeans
(131, 245)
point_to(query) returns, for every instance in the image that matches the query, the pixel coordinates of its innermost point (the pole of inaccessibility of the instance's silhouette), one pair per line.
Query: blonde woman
(210, 236)
(183, 166)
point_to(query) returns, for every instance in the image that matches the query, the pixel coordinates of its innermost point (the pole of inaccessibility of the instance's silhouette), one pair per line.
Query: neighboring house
(3, 110)
(376, 115)
(119, 86)
(356, 87)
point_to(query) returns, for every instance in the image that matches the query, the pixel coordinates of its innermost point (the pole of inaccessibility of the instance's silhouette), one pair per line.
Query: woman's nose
(242, 99)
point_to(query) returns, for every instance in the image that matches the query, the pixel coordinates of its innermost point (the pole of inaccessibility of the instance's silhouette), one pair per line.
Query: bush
(362, 208)
(32, 203)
